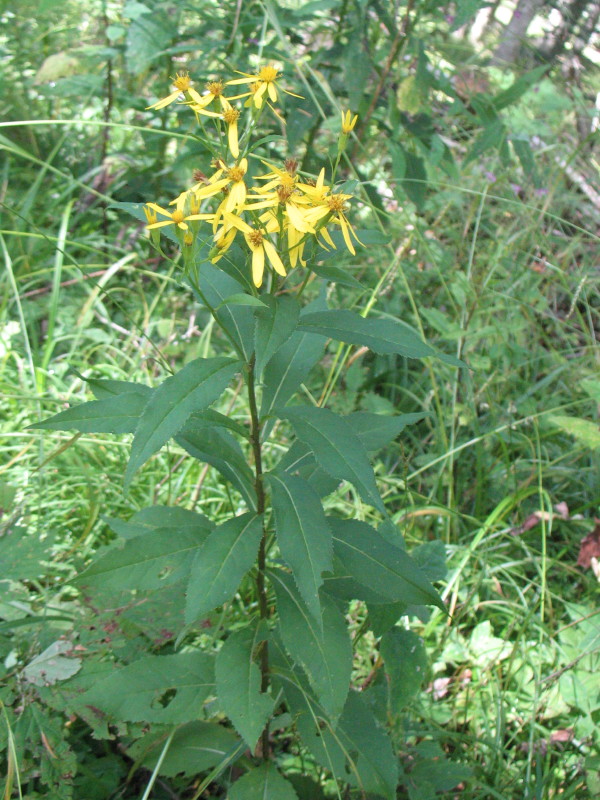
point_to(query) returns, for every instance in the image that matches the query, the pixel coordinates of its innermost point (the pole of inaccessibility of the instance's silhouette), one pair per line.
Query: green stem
(262, 552)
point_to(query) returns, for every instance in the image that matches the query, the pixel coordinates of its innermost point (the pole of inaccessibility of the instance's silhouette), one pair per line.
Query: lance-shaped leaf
(303, 535)
(324, 650)
(336, 447)
(118, 414)
(274, 326)
(191, 389)
(105, 388)
(377, 563)
(378, 430)
(220, 564)
(147, 520)
(168, 689)
(262, 783)
(356, 750)
(290, 365)
(196, 747)
(239, 682)
(218, 448)
(216, 286)
(405, 660)
(163, 558)
(384, 336)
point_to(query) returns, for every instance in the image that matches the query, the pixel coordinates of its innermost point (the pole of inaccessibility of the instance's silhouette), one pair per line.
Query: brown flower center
(231, 115)
(182, 81)
(236, 174)
(335, 203)
(215, 87)
(256, 237)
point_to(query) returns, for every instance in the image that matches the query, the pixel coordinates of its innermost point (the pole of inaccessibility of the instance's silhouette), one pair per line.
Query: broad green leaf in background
(384, 336)
(56, 663)
(303, 535)
(168, 689)
(274, 326)
(405, 660)
(336, 447)
(22, 554)
(148, 36)
(119, 414)
(217, 447)
(191, 389)
(196, 747)
(220, 564)
(161, 558)
(262, 783)
(377, 563)
(324, 650)
(106, 388)
(584, 431)
(238, 681)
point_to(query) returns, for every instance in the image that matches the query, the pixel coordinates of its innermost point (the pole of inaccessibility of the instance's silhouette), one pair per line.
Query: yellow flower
(263, 82)
(177, 217)
(331, 209)
(183, 85)
(214, 91)
(259, 245)
(348, 121)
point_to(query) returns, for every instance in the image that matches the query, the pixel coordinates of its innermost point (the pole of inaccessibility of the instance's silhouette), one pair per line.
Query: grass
(507, 284)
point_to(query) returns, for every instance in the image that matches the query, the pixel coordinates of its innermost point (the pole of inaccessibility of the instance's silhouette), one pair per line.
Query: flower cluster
(277, 212)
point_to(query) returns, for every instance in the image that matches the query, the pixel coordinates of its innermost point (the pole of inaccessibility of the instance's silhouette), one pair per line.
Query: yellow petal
(258, 265)
(273, 257)
(232, 138)
(346, 236)
(272, 92)
(165, 101)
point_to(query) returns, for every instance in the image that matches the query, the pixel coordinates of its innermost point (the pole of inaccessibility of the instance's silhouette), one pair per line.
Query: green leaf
(216, 286)
(376, 562)
(303, 535)
(336, 447)
(239, 684)
(119, 414)
(221, 563)
(241, 299)
(168, 689)
(519, 87)
(384, 336)
(147, 37)
(490, 137)
(337, 275)
(22, 554)
(262, 783)
(55, 664)
(299, 458)
(323, 649)
(274, 326)
(377, 430)
(163, 558)
(191, 389)
(149, 519)
(405, 660)
(584, 431)
(218, 448)
(357, 750)
(290, 365)
(196, 747)
(104, 389)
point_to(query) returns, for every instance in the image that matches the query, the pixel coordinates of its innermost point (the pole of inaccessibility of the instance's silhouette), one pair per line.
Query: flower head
(348, 121)
(261, 83)
(183, 85)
